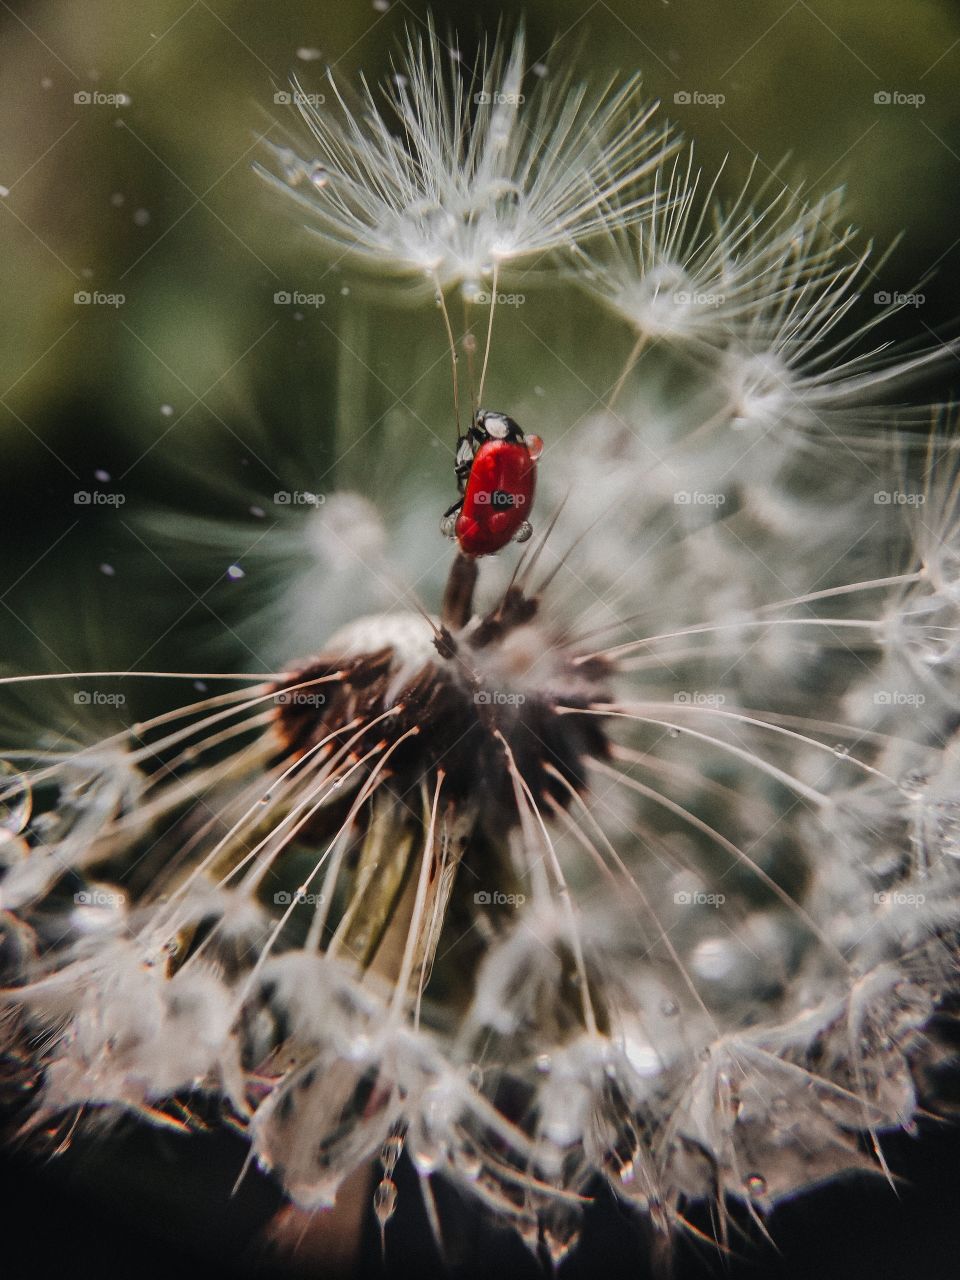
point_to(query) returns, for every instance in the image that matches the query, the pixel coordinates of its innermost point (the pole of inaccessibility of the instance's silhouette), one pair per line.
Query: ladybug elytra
(496, 468)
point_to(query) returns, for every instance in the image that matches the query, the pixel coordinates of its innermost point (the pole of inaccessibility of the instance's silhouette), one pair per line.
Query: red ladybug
(497, 473)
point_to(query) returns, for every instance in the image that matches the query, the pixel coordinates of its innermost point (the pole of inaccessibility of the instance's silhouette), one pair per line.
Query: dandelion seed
(479, 176)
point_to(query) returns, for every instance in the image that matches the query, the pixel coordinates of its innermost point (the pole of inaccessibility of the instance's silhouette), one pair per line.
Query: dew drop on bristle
(107, 570)
(319, 176)
(15, 800)
(235, 573)
(756, 1185)
(385, 1201)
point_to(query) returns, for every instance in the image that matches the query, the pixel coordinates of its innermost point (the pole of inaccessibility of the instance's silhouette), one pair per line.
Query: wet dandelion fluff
(632, 857)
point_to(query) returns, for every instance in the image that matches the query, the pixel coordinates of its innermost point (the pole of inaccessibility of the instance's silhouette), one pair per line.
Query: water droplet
(258, 512)
(385, 1201)
(107, 570)
(306, 54)
(16, 800)
(345, 291)
(669, 1008)
(426, 1157)
(390, 1152)
(167, 410)
(235, 573)
(101, 475)
(141, 217)
(673, 733)
(756, 1185)
(381, 6)
(319, 176)
(470, 1164)
(4, 192)
(543, 1063)
(539, 69)
(841, 751)
(117, 199)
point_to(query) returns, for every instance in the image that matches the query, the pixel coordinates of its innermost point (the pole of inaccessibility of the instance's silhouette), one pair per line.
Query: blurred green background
(197, 382)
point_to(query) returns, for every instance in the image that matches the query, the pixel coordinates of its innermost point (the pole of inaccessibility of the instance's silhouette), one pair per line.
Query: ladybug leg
(454, 510)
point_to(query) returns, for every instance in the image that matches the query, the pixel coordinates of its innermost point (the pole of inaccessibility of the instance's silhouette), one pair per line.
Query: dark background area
(155, 199)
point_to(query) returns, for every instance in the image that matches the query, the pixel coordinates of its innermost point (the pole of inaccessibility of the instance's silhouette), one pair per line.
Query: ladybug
(496, 468)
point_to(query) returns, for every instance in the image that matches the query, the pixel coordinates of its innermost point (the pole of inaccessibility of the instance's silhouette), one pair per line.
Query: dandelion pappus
(496, 469)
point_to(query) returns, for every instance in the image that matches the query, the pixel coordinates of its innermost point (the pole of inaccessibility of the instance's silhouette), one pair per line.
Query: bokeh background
(127, 139)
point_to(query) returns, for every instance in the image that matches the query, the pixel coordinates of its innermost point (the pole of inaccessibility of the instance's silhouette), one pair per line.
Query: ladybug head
(490, 425)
